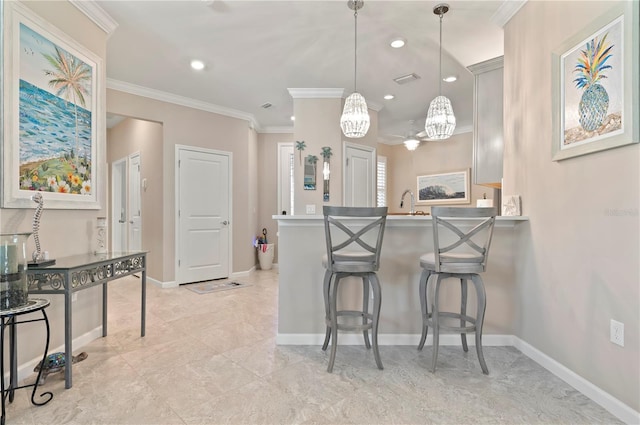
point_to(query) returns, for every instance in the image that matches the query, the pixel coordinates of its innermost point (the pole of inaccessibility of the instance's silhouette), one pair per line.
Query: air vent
(266, 105)
(407, 78)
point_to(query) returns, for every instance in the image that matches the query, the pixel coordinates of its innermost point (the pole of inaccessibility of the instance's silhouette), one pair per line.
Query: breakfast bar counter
(301, 243)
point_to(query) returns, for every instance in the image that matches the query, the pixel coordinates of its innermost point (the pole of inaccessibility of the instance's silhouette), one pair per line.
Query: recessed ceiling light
(293, 118)
(197, 65)
(388, 96)
(398, 43)
(450, 78)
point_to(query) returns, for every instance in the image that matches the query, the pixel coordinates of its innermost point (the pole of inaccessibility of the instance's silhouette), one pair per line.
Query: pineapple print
(590, 70)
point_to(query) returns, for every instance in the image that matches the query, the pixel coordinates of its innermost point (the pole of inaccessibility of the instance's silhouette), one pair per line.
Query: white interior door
(285, 178)
(135, 204)
(203, 228)
(119, 205)
(359, 176)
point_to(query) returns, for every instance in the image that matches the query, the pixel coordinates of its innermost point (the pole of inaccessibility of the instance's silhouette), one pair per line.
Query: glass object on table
(13, 265)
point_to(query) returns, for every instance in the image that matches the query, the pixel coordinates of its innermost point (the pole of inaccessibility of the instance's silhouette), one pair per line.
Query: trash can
(265, 255)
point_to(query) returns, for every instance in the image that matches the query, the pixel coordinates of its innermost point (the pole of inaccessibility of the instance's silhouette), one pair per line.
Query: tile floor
(212, 359)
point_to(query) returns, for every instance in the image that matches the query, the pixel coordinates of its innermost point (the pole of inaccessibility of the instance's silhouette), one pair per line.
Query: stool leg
(463, 312)
(482, 305)
(436, 323)
(377, 301)
(334, 322)
(326, 292)
(424, 302)
(365, 309)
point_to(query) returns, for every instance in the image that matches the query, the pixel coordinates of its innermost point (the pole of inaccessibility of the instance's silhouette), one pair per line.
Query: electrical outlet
(74, 297)
(311, 209)
(617, 332)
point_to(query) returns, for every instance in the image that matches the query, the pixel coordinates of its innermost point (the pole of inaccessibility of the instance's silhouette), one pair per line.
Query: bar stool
(354, 241)
(464, 257)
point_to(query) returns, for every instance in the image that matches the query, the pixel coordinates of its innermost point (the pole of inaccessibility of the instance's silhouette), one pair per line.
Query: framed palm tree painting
(50, 137)
(595, 88)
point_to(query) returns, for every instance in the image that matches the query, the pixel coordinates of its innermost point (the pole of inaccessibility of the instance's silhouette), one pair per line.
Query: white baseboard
(234, 275)
(160, 284)
(603, 398)
(26, 369)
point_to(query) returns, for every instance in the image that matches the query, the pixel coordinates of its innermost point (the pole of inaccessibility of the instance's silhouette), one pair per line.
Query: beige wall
(578, 265)
(192, 127)
(64, 232)
(145, 137)
(318, 124)
(268, 183)
(404, 166)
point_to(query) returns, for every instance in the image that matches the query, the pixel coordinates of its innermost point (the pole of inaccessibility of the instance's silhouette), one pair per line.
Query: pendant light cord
(355, 52)
(440, 76)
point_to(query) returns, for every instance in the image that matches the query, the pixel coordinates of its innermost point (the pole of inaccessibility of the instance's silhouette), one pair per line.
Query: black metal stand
(9, 318)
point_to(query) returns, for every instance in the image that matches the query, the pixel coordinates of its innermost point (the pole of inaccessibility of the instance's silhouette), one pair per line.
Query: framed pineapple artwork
(595, 85)
(51, 143)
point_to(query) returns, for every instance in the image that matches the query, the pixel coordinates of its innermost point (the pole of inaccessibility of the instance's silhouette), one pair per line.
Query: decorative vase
(14, 290)
(593, 107)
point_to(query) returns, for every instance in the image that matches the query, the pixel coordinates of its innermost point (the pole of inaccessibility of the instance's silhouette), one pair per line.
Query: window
(381, 188)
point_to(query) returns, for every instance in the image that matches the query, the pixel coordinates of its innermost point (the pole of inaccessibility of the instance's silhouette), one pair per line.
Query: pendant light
(440, 121)
(355, 115)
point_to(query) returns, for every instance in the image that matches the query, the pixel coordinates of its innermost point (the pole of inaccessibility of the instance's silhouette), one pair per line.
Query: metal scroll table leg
(44, 357)
(68, 342)
(13, 358)
(2, 368)
(143, 303)
(104, 309)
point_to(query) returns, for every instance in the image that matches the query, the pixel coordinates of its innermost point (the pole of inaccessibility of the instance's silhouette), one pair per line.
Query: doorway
(203, 211)
(359, 175)
(126, 204)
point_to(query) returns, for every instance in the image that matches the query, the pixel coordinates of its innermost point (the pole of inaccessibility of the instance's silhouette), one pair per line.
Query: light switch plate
(311, 209)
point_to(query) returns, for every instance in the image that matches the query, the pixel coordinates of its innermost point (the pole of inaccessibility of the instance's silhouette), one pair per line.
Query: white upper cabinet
(487, 122)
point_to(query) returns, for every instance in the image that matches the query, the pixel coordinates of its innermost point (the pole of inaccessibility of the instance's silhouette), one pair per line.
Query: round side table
(10, 318)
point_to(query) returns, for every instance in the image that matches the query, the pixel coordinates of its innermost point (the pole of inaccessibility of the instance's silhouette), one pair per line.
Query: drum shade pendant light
(355, 115)
(440, 121)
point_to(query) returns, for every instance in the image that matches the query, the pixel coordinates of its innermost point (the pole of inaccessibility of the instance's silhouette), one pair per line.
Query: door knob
(224, 223)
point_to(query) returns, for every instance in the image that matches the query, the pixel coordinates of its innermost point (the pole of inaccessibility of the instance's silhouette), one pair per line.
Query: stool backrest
(347, 247)
(469, 247)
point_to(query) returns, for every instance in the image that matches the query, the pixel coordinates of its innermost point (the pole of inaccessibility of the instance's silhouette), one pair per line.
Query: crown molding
(375, 106)
(182, 101)
(488, 65)
(297, 93)
(97, 14)
(276, 130)
(506, 11)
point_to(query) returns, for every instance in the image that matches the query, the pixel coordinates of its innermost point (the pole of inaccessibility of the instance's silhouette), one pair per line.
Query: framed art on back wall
(444, 188)
(595, 85)
(50, 115)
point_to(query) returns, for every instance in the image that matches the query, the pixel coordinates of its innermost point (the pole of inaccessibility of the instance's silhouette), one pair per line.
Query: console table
(75, 273)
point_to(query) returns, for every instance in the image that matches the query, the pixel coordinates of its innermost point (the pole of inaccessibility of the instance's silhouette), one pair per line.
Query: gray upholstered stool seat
(463, 257)
(354, 241)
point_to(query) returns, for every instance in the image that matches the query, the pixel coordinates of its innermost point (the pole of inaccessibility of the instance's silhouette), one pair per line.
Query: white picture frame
(443, 188)
(51, 115)
(575, 132)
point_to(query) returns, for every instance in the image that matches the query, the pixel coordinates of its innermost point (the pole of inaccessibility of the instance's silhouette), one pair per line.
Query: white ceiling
(255, 50)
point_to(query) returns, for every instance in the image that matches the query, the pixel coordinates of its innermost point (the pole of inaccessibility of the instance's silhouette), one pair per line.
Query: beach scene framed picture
(50, 115)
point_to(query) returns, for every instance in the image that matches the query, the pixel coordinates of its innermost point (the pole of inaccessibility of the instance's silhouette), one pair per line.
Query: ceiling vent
(407, 78)
(266, 105)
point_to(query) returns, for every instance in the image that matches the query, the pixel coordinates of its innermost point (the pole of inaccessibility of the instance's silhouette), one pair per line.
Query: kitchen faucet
(413, 201)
